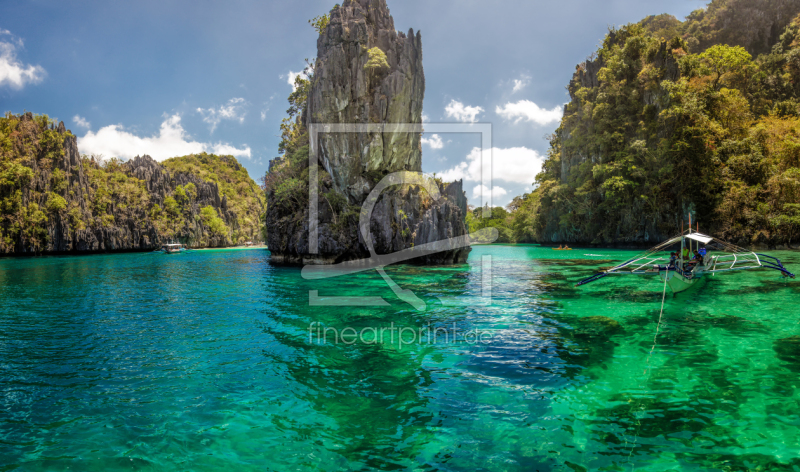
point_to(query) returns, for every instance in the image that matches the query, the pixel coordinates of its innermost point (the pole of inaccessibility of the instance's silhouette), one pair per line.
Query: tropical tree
(722, 59)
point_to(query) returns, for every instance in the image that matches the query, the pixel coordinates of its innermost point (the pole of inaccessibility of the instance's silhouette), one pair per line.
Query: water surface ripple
(204, 360)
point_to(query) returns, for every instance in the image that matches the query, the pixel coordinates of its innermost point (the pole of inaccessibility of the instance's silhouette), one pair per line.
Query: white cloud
(267, 106)
(425, 118)
(81, 122)
(461, 112)
(517, 165)
(293, 75)
(233, 110)
(529, 111)
(226, 149)
(171, 140)
(435, 141)
(521, 83)
(460, 171)
(483, 192)
(14, 73)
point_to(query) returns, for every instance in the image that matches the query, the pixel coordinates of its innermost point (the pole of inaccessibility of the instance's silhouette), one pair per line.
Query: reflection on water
(206, 360)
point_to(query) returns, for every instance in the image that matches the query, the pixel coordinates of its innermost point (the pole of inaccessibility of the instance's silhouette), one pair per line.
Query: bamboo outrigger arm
(733, 258)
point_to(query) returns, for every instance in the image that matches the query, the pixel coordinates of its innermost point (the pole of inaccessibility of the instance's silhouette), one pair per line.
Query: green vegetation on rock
(28, 144)
(243, 196)
(658, 128)
(214, 222)
(53, 199)
(376, 59)
(319, 23)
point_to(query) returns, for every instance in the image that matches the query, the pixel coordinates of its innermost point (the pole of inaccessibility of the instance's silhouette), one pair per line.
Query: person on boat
(566, 246)
(696, 261)
(673, 259)
(560, 246)
(698, 258)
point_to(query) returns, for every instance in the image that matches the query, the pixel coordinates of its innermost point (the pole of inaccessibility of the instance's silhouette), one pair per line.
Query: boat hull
(679, 283)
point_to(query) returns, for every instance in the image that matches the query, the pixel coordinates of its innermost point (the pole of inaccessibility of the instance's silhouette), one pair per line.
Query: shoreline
(120, 251)
(231, 248)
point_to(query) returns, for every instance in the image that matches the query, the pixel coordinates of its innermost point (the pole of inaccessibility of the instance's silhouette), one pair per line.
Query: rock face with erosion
(368, 73)
(347, 90)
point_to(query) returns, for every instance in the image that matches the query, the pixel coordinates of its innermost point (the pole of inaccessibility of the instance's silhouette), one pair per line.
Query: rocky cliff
(755, 25)
(52, 200)
(365, 72)
(660, 127)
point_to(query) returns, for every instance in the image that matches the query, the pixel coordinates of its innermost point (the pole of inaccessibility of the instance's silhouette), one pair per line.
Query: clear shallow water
(204, 360)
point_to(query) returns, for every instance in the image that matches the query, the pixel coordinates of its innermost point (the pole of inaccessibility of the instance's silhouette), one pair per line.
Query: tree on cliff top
(319, 23)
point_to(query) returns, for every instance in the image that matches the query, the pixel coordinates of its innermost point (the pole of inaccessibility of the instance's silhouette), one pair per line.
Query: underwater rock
(593, 326)
(788, 350)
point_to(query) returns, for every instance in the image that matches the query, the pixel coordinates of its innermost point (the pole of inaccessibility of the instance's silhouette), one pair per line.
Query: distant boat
(682, 273)
(562, 248)
(172, 248)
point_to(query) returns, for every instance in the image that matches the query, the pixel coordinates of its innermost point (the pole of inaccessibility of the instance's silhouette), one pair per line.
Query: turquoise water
(205, 360)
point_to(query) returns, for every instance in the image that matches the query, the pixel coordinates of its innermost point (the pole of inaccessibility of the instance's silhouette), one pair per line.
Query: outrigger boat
(172, 248)
(681, 273)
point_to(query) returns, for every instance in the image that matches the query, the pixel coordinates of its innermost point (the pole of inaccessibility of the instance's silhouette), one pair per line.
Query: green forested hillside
(25, 146)
(244, 197)
(667, 119)
(52, 199)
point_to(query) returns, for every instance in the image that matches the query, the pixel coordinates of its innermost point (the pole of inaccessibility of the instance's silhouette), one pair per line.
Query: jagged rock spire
(345, 91)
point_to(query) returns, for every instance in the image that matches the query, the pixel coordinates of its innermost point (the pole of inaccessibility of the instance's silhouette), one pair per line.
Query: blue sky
(173, 77)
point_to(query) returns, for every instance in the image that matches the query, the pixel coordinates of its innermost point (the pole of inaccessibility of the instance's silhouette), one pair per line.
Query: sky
(169, 78)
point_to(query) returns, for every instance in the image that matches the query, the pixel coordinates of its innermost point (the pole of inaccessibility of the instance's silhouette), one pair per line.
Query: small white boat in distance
(172, 248)
(686, 265)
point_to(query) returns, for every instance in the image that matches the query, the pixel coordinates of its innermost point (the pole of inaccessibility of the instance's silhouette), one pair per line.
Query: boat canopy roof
(173, 245)
(700, 237)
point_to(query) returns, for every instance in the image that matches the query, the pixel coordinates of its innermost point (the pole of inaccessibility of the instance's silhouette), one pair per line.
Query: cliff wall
(52, 200)
(365, 72)
(356, 83)
(659, 128)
